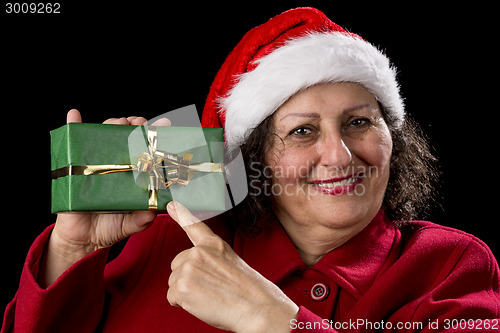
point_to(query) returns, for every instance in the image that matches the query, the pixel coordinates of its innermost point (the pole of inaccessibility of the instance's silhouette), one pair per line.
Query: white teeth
(339, 183)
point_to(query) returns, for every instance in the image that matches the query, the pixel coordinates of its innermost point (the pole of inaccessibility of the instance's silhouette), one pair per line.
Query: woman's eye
(301, 131)
(359, 122)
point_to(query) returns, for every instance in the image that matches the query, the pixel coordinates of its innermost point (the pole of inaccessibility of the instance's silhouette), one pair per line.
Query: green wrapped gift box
(98, 167)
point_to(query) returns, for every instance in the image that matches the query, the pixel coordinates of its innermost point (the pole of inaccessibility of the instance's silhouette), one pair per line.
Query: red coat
(385, 278)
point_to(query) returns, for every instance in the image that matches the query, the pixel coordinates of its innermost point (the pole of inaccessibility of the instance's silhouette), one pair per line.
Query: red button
(319, 292)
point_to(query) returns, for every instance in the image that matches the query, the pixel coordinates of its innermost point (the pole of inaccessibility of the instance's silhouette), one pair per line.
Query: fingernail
(172, 205)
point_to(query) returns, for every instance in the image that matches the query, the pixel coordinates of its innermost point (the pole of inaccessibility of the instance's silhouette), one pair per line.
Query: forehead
(330, 98)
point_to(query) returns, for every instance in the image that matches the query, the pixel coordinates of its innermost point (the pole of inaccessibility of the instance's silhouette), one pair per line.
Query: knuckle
(217, 243)
(184, 286)
(189, 268)
(179, 260)
(172, 298)
(196, 254)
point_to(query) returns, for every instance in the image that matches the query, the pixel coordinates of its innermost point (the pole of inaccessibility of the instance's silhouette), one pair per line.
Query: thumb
(196, 230)
(137, 222)
(73, 116)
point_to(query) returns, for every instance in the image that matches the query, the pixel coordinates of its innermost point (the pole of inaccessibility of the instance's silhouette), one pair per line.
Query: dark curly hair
(410, 190)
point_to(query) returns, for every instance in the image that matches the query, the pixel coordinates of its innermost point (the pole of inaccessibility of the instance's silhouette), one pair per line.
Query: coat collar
(353, 266)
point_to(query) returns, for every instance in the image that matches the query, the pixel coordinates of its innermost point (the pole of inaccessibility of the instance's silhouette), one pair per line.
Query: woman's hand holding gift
(76, 235)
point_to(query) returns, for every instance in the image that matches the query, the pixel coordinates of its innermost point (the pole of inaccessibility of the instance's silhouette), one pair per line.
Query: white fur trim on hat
(300, 63)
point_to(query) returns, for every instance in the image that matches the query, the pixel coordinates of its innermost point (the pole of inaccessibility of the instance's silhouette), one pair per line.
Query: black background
(140, 58)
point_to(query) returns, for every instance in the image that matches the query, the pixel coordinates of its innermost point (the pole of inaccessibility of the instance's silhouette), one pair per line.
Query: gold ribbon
(155, 162)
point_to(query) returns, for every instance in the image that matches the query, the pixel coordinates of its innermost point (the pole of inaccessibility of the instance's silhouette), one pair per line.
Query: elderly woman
(323, 242)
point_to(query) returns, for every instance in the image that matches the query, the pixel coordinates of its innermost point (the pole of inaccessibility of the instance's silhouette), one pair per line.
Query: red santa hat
(292, 51)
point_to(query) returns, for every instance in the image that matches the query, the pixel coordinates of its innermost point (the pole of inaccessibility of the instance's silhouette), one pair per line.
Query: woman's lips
(338, 185)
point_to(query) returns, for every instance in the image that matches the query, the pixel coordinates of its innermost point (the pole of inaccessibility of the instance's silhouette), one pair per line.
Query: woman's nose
(333, 152)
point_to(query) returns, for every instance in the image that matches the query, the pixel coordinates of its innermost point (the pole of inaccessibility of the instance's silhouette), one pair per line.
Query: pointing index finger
(196, 230)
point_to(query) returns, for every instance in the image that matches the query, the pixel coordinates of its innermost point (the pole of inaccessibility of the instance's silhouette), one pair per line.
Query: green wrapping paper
(79, 144)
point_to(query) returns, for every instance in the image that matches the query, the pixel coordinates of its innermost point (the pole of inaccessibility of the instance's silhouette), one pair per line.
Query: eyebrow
(316, 115)
(358, 107)
(303, 114)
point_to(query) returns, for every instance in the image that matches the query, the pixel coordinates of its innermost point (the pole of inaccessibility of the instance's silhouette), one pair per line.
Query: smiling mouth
(338, 181)
(338, 185)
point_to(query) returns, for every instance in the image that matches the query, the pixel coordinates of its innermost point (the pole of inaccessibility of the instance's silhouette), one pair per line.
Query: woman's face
(331, 166)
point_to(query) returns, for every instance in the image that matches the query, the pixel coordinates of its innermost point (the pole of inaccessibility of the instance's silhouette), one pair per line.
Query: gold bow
(177, 169)
(156, 163)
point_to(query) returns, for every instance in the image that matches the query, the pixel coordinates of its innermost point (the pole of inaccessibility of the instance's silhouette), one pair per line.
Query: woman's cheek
(376, 148)
(293, 167)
